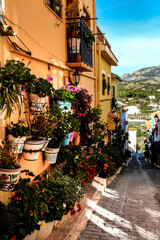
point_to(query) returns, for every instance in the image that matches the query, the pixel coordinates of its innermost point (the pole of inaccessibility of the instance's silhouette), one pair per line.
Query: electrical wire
(31, 38)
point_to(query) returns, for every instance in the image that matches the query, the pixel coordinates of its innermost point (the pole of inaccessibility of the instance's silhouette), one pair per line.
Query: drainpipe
(0, 35)
(99, 71)
(95, 54)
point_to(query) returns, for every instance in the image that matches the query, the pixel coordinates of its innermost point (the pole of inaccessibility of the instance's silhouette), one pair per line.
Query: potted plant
(35, 143)
(64, 98)
(89, 39)
(17, 134)
(57, 136)
(9, 168)
(39, 93)
(14, 76)
(72, 126)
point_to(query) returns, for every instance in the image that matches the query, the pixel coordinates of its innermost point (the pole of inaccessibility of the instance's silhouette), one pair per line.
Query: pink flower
(68, 83)
(78, 89)
(49, 78)
(102, 133)
(42, 190)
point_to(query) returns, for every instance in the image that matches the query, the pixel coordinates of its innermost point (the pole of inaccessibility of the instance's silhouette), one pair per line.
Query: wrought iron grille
(80, 41)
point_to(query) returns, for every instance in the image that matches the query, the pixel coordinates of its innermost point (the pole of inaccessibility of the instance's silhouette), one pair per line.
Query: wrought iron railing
(79, 40)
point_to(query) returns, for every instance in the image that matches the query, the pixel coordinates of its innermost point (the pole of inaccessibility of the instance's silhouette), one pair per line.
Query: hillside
(150, 73)
(151, 86)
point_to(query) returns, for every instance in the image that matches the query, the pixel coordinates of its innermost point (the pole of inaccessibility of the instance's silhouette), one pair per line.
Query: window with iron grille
(56, 6)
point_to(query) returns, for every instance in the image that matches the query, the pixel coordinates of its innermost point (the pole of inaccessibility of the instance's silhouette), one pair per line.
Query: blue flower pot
(65, 106)
(66, 140)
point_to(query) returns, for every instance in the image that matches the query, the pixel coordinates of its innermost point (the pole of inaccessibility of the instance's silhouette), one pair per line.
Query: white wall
(132, 141)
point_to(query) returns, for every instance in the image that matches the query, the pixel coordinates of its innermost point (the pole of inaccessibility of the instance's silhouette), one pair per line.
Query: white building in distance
(132, 139)
(132, 110)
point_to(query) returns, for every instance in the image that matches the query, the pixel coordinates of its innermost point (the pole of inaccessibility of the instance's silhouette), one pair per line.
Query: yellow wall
(103, 68)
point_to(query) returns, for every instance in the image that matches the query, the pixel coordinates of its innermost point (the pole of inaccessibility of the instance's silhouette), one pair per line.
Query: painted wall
(44, 33)
(104, 68)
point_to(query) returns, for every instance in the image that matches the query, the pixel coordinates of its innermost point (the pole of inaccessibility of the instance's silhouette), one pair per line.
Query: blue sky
(133, 29)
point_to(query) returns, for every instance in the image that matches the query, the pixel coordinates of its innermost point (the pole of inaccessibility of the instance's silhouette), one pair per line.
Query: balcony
(79, 44)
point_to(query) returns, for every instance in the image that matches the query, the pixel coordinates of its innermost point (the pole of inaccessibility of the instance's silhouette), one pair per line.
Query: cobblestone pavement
(129, 208)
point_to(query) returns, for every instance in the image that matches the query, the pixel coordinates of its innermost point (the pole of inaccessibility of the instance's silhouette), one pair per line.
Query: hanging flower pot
(38, 104)
(46, 141)
(64, 105)
(8, 178)
(17, 143)
(66, 140)
(51, 155)
(31, 149)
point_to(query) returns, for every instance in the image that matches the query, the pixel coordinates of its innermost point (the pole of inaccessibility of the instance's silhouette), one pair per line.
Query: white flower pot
(8, 178)
(17, 143)
(46, 141)
(31, 236)
(38, 104)
(31, 149)
(45, 230)
(51, 155)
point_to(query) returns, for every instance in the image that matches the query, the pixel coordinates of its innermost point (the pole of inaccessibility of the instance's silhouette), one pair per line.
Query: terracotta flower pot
(92, 172)
(8, 178)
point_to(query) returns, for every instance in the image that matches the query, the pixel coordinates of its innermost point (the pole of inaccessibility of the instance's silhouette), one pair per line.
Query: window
(108, 85)
(56, 6)
(103, 84)
(113, 91)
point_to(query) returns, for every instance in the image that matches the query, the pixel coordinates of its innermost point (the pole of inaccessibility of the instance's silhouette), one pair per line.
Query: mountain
(150, 73)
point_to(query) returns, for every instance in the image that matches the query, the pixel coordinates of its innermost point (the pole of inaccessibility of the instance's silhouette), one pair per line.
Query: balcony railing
(80, 40)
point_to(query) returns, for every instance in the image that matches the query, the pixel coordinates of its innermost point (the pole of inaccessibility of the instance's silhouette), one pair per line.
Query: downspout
(99, 71)
(95, 55)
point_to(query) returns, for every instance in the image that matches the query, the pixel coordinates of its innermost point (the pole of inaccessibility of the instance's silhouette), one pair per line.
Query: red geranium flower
(79, 114)
(79, 207)
(72, 211)
(41, 213)
(13, 238)
(114, 163)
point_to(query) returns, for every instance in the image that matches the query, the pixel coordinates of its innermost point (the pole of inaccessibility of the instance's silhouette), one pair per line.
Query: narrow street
(130, 207)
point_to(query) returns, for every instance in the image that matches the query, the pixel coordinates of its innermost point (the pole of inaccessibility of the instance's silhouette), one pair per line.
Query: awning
(112, 121)
(6, 30)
